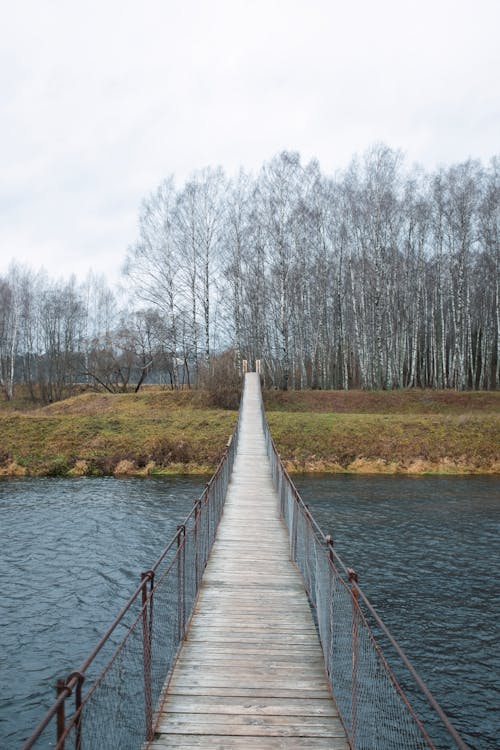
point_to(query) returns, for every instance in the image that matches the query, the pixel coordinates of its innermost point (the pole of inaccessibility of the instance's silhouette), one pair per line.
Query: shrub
(222, 381)
(58, 467)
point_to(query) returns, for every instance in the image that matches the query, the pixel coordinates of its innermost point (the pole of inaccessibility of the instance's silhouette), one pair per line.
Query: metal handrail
(335, 562)
(150, 583)
(77, 677)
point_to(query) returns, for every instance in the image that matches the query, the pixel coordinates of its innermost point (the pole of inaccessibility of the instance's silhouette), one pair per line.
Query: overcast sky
(100, 100)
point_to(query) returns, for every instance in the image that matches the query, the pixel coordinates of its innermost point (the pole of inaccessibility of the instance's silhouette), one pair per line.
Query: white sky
(99, 100)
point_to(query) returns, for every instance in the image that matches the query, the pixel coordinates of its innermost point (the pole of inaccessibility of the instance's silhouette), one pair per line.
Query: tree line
(57, 336)
(379, 276)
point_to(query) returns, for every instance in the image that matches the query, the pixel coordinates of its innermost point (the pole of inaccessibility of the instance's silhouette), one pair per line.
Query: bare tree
(375, 278)
(9, 326)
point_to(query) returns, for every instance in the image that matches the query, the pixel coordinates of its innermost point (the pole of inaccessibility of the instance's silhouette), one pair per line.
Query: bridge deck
(251, 672)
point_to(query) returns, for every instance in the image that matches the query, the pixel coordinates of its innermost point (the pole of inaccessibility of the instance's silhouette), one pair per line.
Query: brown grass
(415, 401)
(155, 431)
(159, 431)
(388, 443)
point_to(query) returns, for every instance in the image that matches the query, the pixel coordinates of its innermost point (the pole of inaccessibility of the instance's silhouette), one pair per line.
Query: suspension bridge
(248, 632)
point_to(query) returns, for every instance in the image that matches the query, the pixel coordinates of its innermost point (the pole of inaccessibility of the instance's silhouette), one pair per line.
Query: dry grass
(152, 432)
(388, 443)
(417, 401)
(158, 431)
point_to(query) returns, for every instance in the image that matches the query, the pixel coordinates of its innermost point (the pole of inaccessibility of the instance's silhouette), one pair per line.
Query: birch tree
(154, 264)
(9, 325)
(376, 277)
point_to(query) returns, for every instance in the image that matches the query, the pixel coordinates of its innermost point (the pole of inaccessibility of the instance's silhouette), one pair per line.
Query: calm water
(71, 553)
(427, 552)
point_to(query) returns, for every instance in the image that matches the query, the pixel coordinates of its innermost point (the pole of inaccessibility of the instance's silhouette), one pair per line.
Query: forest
(381, 276)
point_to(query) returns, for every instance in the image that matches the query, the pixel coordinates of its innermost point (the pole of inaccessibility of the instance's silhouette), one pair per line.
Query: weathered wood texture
(251, 672)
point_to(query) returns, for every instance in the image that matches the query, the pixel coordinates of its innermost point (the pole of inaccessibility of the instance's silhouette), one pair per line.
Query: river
(426, 551)
(71, 553)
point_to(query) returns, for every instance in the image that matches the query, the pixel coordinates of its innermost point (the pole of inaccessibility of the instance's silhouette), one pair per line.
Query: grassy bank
(94, 434)
(416, 432)
(159, 431)
(376, 443)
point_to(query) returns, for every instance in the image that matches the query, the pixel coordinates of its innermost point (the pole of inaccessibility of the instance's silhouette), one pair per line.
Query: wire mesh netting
(118, 707)
(375, 710)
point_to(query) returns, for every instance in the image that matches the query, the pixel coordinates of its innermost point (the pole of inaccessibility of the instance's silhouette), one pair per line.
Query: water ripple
(71, 552)
(427, 553)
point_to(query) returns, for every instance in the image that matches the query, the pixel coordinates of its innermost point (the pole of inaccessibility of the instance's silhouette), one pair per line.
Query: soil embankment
(159, 431)
(410, 432)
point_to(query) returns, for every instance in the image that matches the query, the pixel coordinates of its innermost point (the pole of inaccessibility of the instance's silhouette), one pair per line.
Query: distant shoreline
(158, 432)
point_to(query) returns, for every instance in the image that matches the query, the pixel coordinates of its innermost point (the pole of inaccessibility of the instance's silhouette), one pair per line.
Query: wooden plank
(216, 637)
(248, 725)
(271, 682)
(251, 705)
(249, 650)
(285, 649)
(214, 742)
(244, 673)
(251, 692)
(251, 672)
(235, 659)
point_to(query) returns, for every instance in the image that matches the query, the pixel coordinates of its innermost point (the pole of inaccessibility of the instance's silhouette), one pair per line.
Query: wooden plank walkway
(251, 672)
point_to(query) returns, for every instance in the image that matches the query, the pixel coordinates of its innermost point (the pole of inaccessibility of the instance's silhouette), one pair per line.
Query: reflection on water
(71, 553)
(427, 554)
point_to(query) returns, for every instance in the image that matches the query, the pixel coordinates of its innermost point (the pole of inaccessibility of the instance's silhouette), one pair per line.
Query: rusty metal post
(295, 514)
(181, 580)
(329, 541)
(78, 706)
(209, 516)
(206, 525)
(282, 487)
(196, 551)
(184, 618)
(331, 589)
(146, 652)
(353, 579)
(61, 721)
(307, 566)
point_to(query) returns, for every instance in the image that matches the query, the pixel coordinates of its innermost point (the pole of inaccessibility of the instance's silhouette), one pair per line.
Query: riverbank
(387, 432)
(98, 434)
(164, 432)
(388, 444)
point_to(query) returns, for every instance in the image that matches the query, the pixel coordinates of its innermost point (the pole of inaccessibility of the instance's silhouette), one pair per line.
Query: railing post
(329, 542)
(147, 632)
(61, 721)
(196, 551)
(206, 525)
(181, 580)
(307, 568)
(295, 513)
(78, 705)
(331, 588)
(279, 477)
(209, 516)
(353, 579)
